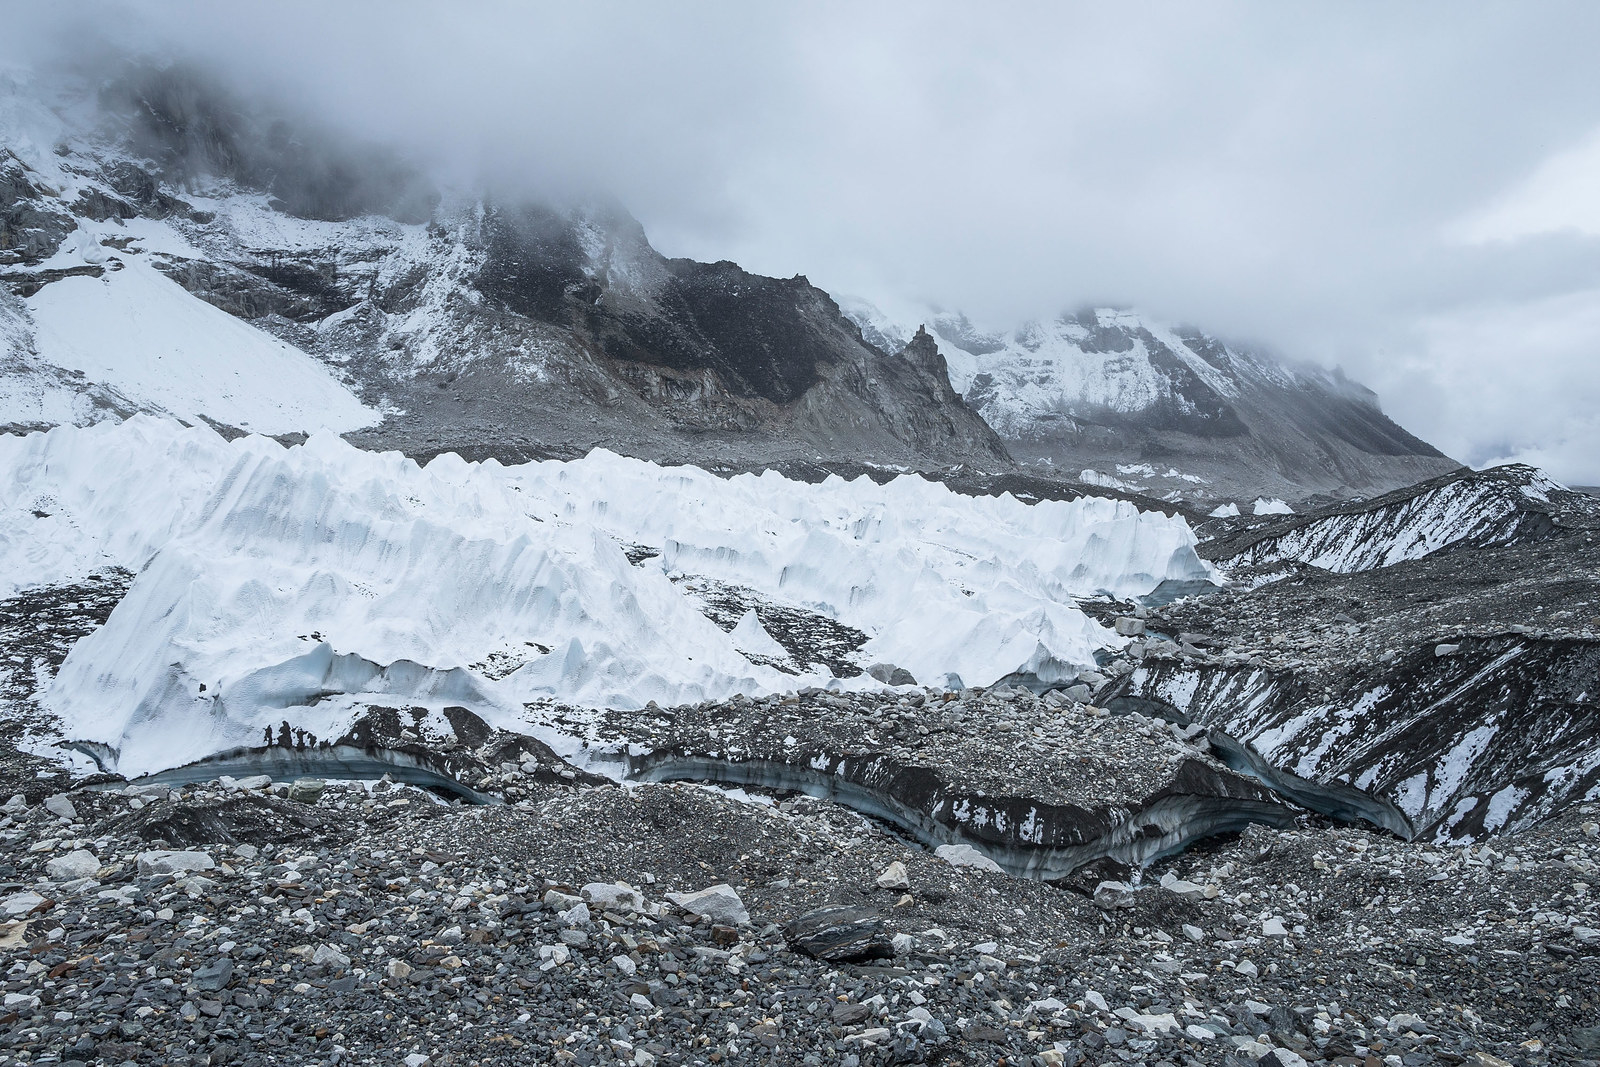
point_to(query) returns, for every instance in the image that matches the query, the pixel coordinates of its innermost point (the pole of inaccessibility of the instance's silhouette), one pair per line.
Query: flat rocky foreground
(246, 922)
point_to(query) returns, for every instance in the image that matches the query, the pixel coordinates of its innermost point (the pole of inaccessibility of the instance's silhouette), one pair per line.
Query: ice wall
(300, 583)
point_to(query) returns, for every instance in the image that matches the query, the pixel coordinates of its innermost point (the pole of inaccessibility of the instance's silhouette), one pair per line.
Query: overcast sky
(1411, 191)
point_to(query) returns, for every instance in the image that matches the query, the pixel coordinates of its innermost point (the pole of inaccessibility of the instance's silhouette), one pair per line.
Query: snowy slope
(141, 334)
(1493, 507)
(476, 322)
(302, 583)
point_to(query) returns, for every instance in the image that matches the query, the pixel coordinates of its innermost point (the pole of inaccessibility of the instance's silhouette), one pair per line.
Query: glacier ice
(305, 583)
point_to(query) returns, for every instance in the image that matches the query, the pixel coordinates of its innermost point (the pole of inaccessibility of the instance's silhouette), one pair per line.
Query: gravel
(396, 926)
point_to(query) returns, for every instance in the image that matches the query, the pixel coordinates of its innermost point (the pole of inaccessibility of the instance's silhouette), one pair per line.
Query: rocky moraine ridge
(578, 920)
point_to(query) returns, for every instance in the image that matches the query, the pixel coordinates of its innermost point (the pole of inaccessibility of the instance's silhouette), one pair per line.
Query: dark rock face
(32, 224)
(1426, 663)
(192, 127)
(1495, 735)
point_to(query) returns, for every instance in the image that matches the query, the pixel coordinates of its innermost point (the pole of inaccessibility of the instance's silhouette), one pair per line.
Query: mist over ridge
(1302, 182)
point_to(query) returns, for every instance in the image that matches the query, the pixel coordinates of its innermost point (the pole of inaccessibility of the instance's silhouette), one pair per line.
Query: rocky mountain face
(478, 324)
(1135, 404)
(1424, 662)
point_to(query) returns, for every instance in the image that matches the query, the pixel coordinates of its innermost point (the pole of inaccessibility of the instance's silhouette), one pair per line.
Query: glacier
(305, 583)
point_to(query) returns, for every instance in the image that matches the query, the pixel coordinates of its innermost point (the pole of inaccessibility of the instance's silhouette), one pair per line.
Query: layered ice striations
(1503, 505)
(302, 584)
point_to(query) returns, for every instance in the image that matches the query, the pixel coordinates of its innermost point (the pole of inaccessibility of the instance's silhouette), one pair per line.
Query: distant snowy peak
(1100, 363)
(1123, 390)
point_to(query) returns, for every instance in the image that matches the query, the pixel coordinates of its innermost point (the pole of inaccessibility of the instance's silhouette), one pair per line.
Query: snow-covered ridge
(1493, 507)
(302, 583)
(1100, 360)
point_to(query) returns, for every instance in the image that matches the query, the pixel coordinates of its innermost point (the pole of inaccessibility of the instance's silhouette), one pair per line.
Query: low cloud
(1398, 190)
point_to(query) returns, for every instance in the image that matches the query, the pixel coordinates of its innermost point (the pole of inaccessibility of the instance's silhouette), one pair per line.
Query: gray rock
(1445, 650)
(840, 934)
(165, 862)
(1109, 895)
(1128, 626)
(328, 956)
(60, 806)
(963, 855)
(1587, 1038)
(894, 876)
(307, 790)
(889, 674)
(214, 978)
(77, 864)
(1079, 694)
(719, 903)
(614, 896)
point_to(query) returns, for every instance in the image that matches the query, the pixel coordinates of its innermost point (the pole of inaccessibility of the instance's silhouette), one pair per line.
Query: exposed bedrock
(1026, 838)
(1450, 740)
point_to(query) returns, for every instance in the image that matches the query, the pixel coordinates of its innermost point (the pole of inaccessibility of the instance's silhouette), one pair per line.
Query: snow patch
(143, 335)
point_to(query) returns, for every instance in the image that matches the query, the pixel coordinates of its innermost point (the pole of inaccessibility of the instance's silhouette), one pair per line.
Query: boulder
(213, 978)
(966, 856)
(1110, 895)
(1128, 626)
(840, 934)
(60, 806)
(719, 903)
(77, 864)
(894, 876)
(307, 790)
(328, 956)
(614, 896)
(164, 862)
(889, 674)
(20, 903)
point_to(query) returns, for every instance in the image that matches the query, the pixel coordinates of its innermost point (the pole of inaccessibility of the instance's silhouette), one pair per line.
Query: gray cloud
(1299, 176)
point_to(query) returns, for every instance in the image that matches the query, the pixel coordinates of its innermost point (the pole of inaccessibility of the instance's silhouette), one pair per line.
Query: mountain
(1159, 409)
(165, 248)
